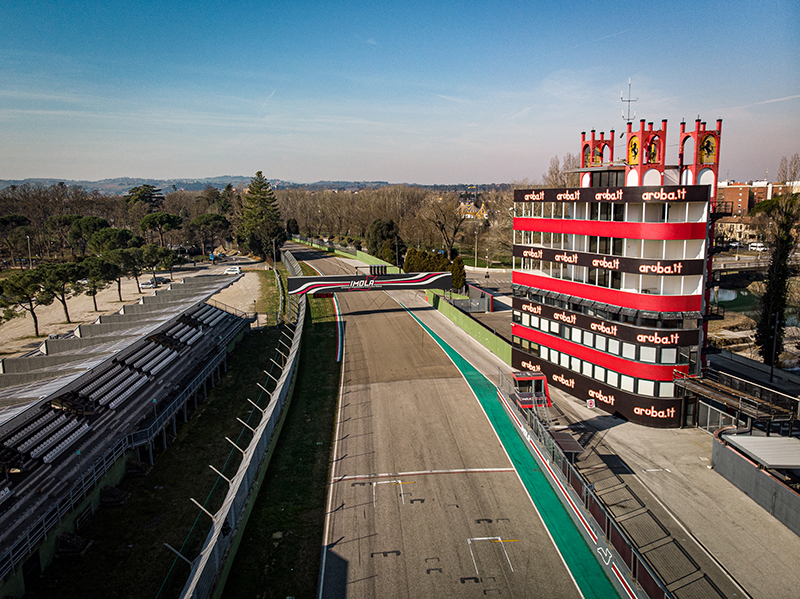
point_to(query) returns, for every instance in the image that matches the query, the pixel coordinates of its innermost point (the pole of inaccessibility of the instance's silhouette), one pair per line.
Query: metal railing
(582, 493)
(28, 541)
(208, 565)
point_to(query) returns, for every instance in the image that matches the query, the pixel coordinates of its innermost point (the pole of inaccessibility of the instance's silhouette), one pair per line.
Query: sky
(406, 92)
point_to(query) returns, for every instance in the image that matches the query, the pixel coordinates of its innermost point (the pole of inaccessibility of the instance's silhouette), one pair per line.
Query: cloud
(454, 99)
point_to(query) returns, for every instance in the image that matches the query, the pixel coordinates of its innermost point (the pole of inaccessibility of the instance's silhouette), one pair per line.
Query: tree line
(84, 254)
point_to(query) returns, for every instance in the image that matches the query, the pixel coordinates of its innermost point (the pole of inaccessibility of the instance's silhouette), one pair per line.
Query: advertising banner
(337, 283)
(660, 193)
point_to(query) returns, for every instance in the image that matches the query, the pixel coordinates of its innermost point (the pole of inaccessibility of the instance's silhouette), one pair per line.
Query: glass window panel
(526, 319)
(600, 373)
(647, 387)
(626, 382)
(576, 335)
(588, 338)
(575, 364)
(587, 368)
(600, 342)
(669, 355)
(565, 358)
(613, 346)
(629, 351)
(612, 378)
(647, 354)
(666, 389)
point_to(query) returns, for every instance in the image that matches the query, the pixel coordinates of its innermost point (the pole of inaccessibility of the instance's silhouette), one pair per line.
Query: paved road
(424, 501)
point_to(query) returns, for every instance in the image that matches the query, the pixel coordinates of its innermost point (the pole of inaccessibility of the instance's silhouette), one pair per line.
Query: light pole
(30, 261)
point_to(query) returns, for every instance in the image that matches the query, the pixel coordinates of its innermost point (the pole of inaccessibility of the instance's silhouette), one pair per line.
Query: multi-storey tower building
(610, 279)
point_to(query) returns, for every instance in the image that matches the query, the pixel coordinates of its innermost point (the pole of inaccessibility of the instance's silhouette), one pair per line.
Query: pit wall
(497, 345)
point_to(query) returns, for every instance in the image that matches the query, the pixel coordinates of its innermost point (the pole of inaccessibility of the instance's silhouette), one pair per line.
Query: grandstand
(71, 410)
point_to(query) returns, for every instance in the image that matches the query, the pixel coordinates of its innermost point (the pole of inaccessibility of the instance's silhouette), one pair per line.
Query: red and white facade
(610, 278)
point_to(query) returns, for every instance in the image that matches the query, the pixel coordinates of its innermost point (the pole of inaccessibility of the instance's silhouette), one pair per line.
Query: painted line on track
(591, 580)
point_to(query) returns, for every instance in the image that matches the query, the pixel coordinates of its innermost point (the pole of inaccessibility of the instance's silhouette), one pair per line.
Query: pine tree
(261, 223)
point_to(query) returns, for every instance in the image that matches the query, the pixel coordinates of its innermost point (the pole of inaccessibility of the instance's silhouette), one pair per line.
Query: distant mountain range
(121, 185)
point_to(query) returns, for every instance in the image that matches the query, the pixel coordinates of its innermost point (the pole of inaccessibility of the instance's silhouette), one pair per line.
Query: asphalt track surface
(423, 499)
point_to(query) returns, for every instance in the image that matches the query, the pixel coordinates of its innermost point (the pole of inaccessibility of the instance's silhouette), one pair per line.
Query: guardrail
(206, 568)
(581, 493)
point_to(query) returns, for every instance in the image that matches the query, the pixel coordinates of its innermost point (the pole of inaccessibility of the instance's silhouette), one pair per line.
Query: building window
(647, 387)
(669, 355)
(613, 346)
(600, 373)
(575, 364)
(587, 368)
(629, 351)
(516, 316)
(576, 334)
(626, 383)
(666, 389)
(565, 358)
(613, 378)
(600, 342)
(526, 319)
(647, 354)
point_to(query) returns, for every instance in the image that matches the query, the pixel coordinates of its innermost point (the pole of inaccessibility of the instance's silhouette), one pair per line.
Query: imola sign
(337, 283)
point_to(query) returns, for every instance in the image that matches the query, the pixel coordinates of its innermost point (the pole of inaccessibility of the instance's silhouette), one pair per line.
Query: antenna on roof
(629, 118)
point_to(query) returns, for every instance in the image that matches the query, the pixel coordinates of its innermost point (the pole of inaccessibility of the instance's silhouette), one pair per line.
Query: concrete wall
(497, 345)
(56, 346)
(771, 494)
(23, 365)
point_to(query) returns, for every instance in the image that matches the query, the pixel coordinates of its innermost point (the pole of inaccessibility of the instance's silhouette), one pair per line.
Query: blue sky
(416, 92)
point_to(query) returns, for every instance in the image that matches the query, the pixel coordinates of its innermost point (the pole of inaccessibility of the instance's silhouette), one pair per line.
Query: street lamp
(30, 261)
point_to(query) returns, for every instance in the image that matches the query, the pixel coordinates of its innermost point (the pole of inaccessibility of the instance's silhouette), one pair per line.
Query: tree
(82, 230)
(61, 224)
(24, 291)
(292, 228)
(789, 169)
(150, 259)
(161, 223)
(459, 273)
(108, 239)
(381, 231)
(61, 281)
(557, 176)
(169, 258)
(209, 227)
(446, 218)
(12, 231)
(147, 195)
(261, 226)
(99, 274)
(778, 219)
(128, 264)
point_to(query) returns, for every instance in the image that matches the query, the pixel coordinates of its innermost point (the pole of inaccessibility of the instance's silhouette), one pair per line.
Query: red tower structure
(698, 157)
(593, 150)
(647, 151)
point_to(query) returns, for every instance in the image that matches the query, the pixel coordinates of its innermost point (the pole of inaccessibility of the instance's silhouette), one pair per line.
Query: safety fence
(578, 494)
(230, 518)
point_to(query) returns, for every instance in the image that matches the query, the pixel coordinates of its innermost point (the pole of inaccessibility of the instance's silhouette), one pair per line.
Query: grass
(280, 552)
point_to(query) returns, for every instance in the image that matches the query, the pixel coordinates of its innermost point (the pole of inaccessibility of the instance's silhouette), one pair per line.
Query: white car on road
(233, 270)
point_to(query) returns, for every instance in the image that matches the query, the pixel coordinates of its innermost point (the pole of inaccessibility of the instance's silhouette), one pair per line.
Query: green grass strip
(589, 575)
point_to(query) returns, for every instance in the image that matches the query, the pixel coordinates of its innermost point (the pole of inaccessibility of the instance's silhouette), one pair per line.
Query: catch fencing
(209, 564)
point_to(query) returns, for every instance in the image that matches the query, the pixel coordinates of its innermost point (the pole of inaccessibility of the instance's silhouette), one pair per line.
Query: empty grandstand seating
(63, 445)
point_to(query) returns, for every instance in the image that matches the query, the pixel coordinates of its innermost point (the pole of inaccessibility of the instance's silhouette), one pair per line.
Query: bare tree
(443, 214)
